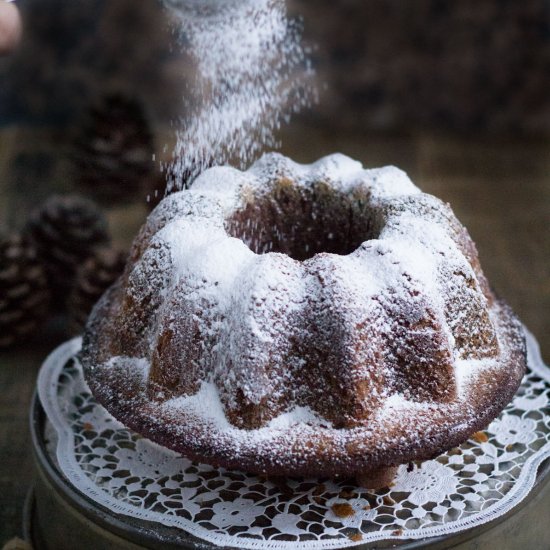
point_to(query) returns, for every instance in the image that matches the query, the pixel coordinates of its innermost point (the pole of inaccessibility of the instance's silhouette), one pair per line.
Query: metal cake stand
(57, 516)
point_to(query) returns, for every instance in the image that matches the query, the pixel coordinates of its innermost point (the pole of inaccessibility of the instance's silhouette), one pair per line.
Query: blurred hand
(10, 27)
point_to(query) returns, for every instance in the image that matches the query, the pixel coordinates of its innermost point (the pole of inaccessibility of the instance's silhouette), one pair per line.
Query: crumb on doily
(480, 437)
(343, 510)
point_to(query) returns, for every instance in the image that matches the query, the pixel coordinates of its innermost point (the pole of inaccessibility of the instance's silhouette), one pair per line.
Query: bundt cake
(303, 320)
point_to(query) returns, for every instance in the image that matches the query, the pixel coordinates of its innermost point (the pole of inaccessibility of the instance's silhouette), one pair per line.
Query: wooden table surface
(499, 190)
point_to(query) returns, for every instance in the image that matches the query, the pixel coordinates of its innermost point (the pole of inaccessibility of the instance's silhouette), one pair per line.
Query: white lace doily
(468, 486)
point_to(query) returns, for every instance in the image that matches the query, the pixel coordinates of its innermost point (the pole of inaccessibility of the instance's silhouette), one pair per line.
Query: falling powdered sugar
(252, 74)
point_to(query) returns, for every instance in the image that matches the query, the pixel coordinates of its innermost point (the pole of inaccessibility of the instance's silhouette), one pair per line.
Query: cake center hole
(303, 221)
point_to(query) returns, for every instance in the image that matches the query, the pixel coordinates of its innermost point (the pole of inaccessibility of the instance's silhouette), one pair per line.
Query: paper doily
(130, 475)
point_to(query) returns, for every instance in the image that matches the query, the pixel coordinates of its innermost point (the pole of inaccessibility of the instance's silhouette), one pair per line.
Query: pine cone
(113, 153)
(66, 230)
(93, 278)
(24, 291)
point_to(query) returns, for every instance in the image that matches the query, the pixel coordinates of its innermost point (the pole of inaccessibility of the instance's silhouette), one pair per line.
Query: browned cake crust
(304, 320)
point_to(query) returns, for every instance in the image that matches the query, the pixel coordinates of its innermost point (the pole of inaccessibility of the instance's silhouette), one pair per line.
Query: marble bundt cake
(303, 320)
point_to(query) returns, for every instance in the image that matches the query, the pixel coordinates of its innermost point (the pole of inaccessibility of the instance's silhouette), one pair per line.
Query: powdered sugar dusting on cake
(246, 291)
(467, 372)
(201, 251)
(339, 345)
(207, 405)
(390, 182)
